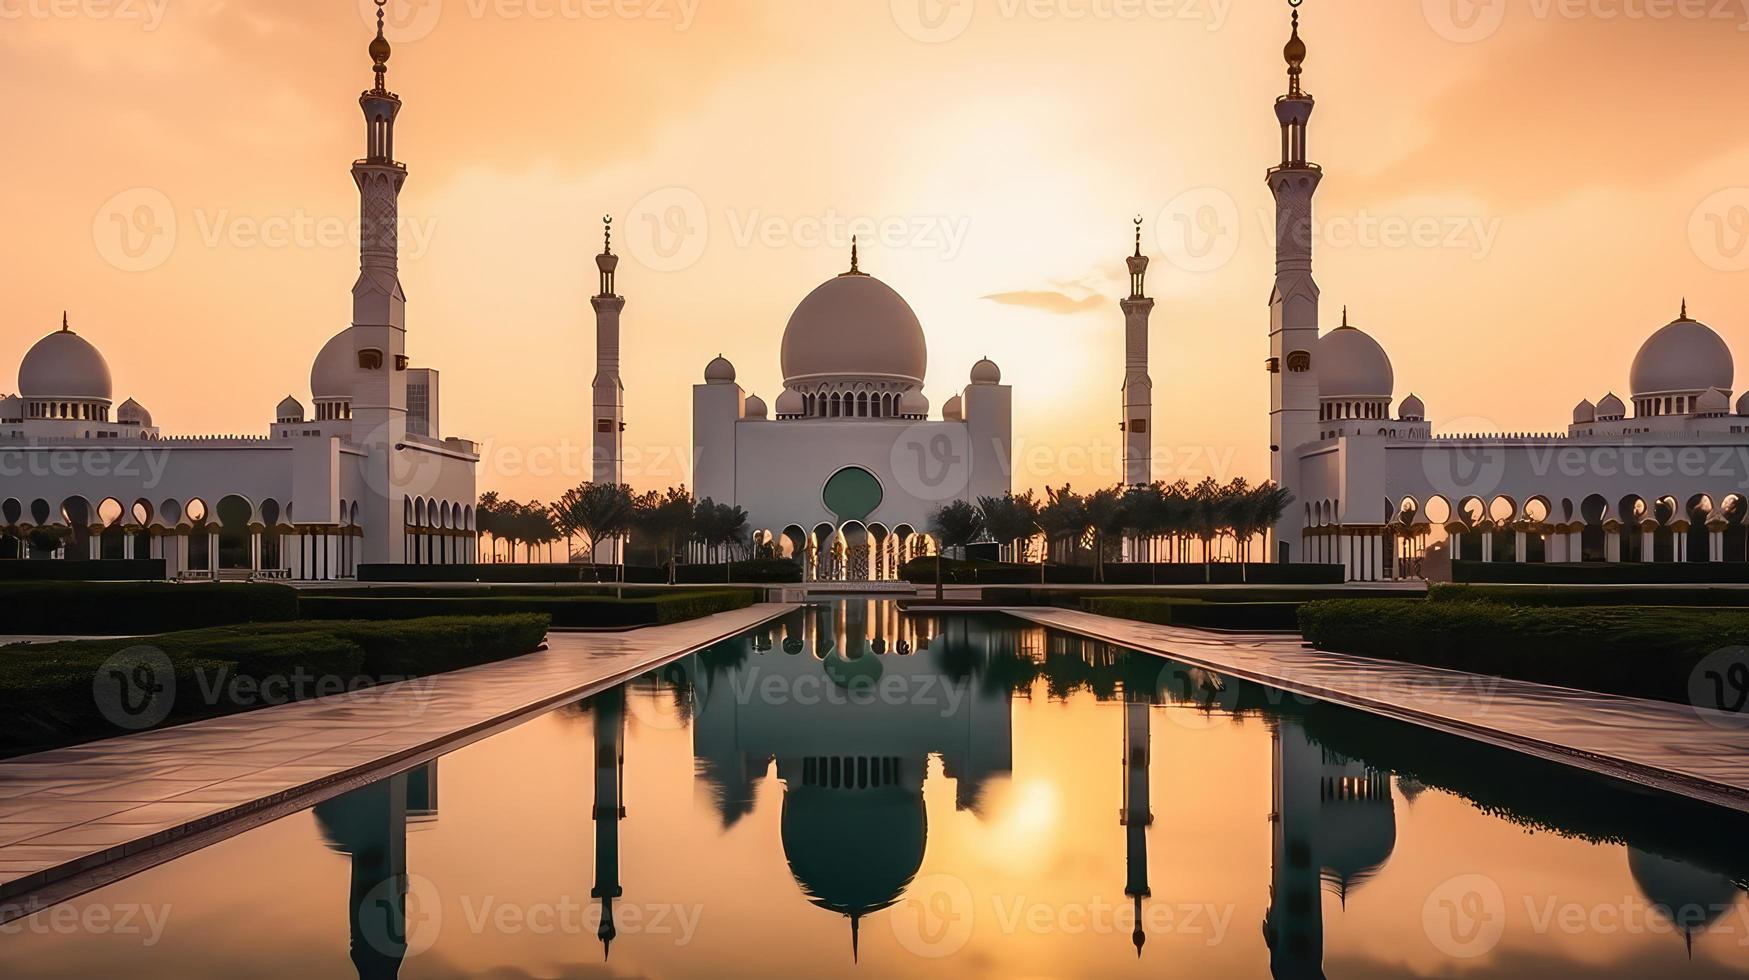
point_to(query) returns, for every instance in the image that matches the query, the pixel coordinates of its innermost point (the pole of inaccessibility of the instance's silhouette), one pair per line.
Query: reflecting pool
(853, 792)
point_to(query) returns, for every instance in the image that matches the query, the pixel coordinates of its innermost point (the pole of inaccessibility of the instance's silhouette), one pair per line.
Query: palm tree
(720, 526)
(1270, 502)
(596, 510)
(1105, 517)
(954, 526)
(1063, 518)
(1010, 519)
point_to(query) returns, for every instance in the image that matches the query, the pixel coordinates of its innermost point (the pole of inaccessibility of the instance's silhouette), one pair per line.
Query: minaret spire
(1295, 53)
(379, 53)
(855, 262)
(64, 327)
(1138, 387)
(609, 390)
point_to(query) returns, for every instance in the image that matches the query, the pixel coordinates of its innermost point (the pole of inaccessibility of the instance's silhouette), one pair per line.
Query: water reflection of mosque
(854, 826)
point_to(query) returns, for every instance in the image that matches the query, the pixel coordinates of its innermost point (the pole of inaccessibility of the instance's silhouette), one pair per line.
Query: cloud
(1050, 301)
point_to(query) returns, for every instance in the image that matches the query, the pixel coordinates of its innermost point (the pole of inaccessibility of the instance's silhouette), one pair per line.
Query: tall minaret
(610, 392)
(1293, 307)
(379, 318)
(1138, 388)
(1137, 815)
(610, 723)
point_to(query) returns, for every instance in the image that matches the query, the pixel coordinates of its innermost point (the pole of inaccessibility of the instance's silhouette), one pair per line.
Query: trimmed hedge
(571, 612)
(1601, 595)
(104, 570)
(1574, 573)
(761, 571)
(49, 692)
(508, 572)
(1196, 612)
(921, 571)
(131, 608)
(1645, 652)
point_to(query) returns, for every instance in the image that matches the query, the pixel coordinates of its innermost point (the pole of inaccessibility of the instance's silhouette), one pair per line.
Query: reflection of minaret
(610, 721)
(1137, 815)
(1293, 306)
(610, 395)
(1687, 897)
(1294, 925)
(1138, 388)
(370, 826)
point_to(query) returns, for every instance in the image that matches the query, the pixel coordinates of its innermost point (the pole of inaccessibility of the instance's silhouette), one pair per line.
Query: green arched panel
(852, 494)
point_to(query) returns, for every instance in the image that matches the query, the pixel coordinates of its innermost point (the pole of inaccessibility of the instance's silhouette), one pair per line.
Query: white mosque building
(1659, 477)
(364, 479)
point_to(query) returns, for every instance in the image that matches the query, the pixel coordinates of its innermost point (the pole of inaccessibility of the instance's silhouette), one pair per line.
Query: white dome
(1350, 364)
(1743, 404)
(1584, 413)
(954, 410)
(133, 413)
(1412, 409)
(331, 375)
(719, 371)
(289, 409)
(854, 326)
(914, 403)
(985, 372)
(1685, 356)
(755, 407)
(1610, 408)
(64, 365)
(790, 403)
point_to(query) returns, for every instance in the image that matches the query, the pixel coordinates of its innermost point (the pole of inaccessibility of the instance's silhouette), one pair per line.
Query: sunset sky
(1517, 194)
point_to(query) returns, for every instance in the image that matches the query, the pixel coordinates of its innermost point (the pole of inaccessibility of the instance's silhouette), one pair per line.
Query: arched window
(862, 405)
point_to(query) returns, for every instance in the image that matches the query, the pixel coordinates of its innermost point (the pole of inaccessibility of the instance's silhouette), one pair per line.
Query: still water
(852, 792)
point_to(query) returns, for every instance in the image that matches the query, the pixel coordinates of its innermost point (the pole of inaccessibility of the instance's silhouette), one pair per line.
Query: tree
(720, 527)
(664, 519)
(1105, 518)
(489, 518)
(595, 510)
(954, 526)
(1011, 519)
(1063, 518)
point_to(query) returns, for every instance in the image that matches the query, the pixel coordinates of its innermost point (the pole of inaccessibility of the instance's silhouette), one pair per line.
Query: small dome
(914, 403)
(289, 410)
(133, 413)
(1584, 413)
(1350, 364)
(1685, 356)
(719, 371)
(985, 372)
(1714, 401)
(854, 326)
(954, 410)
(1610, 408)
(331, 375)
(1743, 404)
(791, 403)
(11, 407)
(64, 365)
(1412, 410)
(755, 407)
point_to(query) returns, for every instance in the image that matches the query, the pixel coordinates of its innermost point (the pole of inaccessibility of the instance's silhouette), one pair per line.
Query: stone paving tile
(1674, 747)
(147, 789)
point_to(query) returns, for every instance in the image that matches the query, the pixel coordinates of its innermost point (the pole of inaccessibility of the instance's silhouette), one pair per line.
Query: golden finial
(1295, 52)
(1138, 236)
(607, 234)
(379, 49)
(64, 327)
(1685, 307)
(1345, 314)
(854, 270)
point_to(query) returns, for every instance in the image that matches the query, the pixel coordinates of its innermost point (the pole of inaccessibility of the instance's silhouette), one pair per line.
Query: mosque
(366, 478)
(1658, 477)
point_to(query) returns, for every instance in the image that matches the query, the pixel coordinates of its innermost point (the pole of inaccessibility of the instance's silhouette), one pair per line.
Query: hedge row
(1646, 652)
(760, 571)
(1599, 595)
(572, 612)
(1196, 612)
(1074, 598)
(1574, 573)
(129, 608)
(76, 570)
(49, 693)
(921, 571)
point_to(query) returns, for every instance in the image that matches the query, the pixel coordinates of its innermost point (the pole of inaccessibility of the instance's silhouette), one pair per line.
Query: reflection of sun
(1017, 836)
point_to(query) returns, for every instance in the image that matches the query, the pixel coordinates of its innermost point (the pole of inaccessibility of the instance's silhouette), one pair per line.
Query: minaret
(379, 321)
(1293, 307)
(1137, 815)
(1293, 928)
(610, 392)
(609, 712)
(1138, 388)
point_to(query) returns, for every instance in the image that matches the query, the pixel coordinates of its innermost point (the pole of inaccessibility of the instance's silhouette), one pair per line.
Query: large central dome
(64, 365)
(1684, 357)
(854, 326)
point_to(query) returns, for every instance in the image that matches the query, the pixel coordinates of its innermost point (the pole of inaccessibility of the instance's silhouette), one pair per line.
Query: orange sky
(1512, 203)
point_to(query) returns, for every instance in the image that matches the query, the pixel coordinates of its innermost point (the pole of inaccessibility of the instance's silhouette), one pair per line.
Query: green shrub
(131, 608)
(565, 611)
(47, 690)
(921, 571)
(1646, 652)
(1196, 612)
(1612, 573)
(1594, 595)
(760, 571)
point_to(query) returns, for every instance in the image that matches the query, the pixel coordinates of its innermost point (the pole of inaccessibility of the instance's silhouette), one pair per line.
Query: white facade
(1375, 490)
(846, 472)
(367, 480)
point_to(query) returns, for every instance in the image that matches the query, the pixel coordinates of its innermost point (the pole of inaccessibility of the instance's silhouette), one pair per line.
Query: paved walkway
(77, 818)
(1671, 747)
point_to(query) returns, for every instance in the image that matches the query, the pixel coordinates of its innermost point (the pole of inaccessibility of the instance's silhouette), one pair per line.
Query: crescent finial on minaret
(380, 50)
(607, 234)
(1295, 52)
